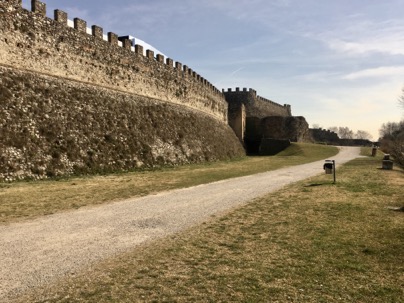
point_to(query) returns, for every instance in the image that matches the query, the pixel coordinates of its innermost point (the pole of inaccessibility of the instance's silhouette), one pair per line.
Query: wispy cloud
(364, 37)
(383, 71)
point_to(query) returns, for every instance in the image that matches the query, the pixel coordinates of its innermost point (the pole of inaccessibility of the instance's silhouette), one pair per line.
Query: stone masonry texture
(73, 103)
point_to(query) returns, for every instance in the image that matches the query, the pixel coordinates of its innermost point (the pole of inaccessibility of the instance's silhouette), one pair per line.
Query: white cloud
(360, 37)
(384, 71)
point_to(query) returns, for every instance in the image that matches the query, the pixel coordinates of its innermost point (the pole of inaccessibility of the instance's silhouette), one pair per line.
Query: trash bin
(328, 167)
(387, 163)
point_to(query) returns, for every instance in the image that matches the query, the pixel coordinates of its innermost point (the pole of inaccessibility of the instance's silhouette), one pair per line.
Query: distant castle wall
(32, 41)
(327, 136)
(256, 106)
(324, 136)
(246, 108)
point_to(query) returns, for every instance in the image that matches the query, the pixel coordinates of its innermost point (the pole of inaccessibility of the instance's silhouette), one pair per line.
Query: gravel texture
(46, 249)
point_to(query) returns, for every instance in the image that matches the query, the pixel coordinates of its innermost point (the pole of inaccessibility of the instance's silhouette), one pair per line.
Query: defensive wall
(258, 121)
(255, 106)
(34, 42)
(71, 102)
(326, 136)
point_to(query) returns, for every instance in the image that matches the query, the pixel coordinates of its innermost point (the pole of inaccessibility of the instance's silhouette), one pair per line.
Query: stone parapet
(34, 42)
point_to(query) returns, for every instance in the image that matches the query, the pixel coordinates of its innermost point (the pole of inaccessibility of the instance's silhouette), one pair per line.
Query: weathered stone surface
(253, 135)
(35, 42)
(280, 128)
(54, 127)
(295, 129)
(320, 135)
(237, 119)
(263, 118)
(256, 106)
(71, 102)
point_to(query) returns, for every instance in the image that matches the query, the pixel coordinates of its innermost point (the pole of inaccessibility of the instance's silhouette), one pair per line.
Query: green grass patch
(26, 200)
(305, 243)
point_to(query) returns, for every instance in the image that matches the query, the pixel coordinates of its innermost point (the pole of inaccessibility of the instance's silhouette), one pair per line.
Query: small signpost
(329, 167)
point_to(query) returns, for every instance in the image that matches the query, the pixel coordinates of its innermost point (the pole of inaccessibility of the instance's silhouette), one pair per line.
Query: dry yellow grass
(26, 200)
(311, 242)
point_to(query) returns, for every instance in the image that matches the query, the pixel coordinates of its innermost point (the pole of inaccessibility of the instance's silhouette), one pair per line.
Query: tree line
(344, 132)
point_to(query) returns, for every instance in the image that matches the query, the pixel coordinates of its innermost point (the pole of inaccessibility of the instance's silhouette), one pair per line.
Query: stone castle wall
(256, 106)
(32, 41)
(324, 136)
(72, 103)
(254, 118)
(295, 129)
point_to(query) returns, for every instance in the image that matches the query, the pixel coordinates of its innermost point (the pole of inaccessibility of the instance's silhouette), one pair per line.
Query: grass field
(26, 200)
(313, 241)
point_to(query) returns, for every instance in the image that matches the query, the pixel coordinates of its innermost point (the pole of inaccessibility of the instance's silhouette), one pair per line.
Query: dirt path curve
(46, 249)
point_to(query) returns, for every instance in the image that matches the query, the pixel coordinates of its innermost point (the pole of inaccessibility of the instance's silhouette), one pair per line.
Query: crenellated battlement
(79, 99)
(80, 25)
(256, 105)
(70, 49)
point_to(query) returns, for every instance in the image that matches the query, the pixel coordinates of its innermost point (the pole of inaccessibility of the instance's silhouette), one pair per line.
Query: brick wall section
(34, 42)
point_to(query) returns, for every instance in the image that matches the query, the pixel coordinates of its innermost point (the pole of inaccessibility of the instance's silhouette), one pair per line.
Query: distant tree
(390, 128)
(363, 135)
(392, 140)
(316, 126)
(345, 133)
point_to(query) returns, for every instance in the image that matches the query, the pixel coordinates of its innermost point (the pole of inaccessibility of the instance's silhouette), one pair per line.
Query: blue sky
(337, 63)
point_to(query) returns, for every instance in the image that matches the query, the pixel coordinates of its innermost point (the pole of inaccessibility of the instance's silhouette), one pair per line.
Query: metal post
(333, 166)
(327, 168)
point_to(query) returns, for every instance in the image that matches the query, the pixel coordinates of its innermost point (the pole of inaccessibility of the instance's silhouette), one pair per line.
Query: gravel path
(44, 250)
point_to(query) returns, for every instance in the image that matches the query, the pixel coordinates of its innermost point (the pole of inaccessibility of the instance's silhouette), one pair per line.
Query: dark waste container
(328, 167)
(387, 163)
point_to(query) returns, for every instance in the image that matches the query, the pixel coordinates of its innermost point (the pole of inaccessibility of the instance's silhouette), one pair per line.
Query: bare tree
(391, 128)
(392, 140)
(345, 133)
(363, 135)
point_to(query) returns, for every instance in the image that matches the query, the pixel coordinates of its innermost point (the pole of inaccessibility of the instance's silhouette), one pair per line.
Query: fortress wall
(256, 106)
(32, 41)
(54, 127)
(73, 103)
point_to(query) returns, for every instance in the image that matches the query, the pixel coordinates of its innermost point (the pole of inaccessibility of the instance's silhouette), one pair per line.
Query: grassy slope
(26, 200)
(311, 242)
